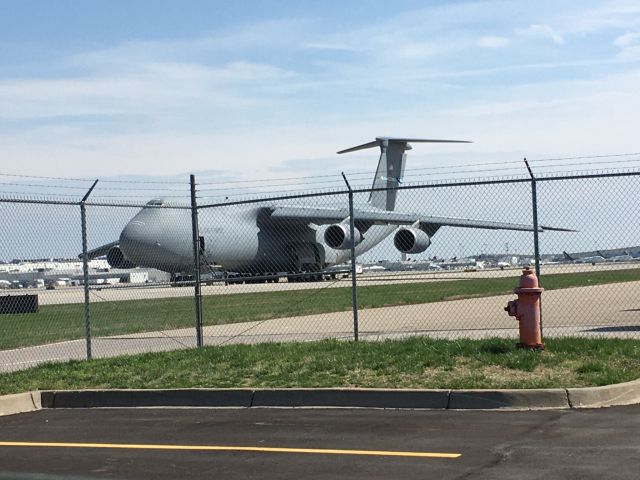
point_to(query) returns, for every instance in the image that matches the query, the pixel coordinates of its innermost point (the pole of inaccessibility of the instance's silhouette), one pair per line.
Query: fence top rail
(550, 177)
(39, 201)
(436, 184)
(345, 191)
(88, 203)
(137, 205)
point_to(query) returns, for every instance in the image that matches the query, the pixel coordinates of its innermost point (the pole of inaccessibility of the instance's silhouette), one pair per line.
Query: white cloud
(565, 117)
(629, 45)
(493, 42)
(266, 35)
(616, 14)
(416, 50)
(251, 99)
(152, 87)
(628, 39)
(541, 31)
(332, 46)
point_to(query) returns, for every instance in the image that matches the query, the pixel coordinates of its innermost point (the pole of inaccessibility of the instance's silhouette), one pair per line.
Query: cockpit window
(157, 202)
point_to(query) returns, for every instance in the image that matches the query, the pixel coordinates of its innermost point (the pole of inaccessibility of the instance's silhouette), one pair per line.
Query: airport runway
(67, 295)
(611, 310)
(366, 444)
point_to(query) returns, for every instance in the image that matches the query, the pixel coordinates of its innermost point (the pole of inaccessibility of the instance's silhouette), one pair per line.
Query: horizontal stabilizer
(380, 140)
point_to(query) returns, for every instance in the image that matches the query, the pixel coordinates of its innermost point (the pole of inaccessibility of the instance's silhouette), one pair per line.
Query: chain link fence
(85, 279)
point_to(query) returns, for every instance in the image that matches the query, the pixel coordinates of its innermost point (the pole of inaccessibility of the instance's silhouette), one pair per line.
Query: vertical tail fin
(390, 167)
(388, 174)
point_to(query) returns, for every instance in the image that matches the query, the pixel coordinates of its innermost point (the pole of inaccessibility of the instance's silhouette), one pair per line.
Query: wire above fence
(173, 201)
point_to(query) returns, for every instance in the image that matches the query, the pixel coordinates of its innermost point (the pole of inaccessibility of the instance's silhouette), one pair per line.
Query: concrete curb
(147, 398)
(375, 398)
(508, 399)
(20, 403)
(534, 399)
(618, 394)
(372, 398)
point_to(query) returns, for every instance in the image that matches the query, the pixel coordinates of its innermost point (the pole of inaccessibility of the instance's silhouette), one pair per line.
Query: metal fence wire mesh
(278, 268)
(50, 235)
(139, 309)
(605, 212)
(428, 292)
(267, 277)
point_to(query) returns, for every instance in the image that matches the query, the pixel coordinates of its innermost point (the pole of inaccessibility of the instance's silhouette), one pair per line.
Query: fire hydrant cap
(528, 282)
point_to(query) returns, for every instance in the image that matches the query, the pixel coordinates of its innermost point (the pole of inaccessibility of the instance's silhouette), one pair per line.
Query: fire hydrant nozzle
(526, 309)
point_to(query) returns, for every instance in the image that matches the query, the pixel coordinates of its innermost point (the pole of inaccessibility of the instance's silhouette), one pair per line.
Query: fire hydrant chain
(526, 309)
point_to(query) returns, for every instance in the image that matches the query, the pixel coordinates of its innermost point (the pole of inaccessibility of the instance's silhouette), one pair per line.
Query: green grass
(418, 362)
(66, 322)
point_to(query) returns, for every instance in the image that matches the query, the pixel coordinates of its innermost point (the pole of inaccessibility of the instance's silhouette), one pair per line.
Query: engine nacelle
(338, 236)
(411, 240)
(116, 259)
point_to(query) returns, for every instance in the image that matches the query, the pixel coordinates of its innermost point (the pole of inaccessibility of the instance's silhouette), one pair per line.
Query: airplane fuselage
(233, 239)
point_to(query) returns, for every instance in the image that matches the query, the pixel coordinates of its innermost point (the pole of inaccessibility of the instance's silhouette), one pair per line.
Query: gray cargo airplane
(593, 259)
(272, 238)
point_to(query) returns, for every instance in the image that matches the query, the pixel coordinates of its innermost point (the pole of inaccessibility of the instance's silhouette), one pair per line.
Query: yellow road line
(230, 448)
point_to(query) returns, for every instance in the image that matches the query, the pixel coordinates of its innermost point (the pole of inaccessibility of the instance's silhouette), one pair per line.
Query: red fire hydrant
(526, 309)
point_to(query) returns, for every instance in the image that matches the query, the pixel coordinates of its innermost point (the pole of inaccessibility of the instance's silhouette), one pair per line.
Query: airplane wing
(368, 217)
(100, 251)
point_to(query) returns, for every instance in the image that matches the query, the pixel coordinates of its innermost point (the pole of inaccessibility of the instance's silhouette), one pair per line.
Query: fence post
(196, 260)
(85, 271)
(536, 244)
(354, 283)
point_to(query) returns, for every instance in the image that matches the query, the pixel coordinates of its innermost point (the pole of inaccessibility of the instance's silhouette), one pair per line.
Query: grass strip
(418, 362)
(66, 322)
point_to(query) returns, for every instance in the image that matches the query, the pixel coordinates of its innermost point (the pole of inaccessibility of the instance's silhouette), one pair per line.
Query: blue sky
(264, 89)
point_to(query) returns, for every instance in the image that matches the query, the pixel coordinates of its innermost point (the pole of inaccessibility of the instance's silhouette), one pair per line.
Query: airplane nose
(136, 243)
(159, 238)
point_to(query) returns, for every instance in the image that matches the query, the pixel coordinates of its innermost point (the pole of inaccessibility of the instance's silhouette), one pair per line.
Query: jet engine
(411, 240)
(116, 259)
(338, 236)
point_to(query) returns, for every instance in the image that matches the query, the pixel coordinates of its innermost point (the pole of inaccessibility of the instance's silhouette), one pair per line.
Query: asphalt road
(329, 443)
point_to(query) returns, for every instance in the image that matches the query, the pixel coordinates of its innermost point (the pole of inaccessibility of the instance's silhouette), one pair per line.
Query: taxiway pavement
(119, 292)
